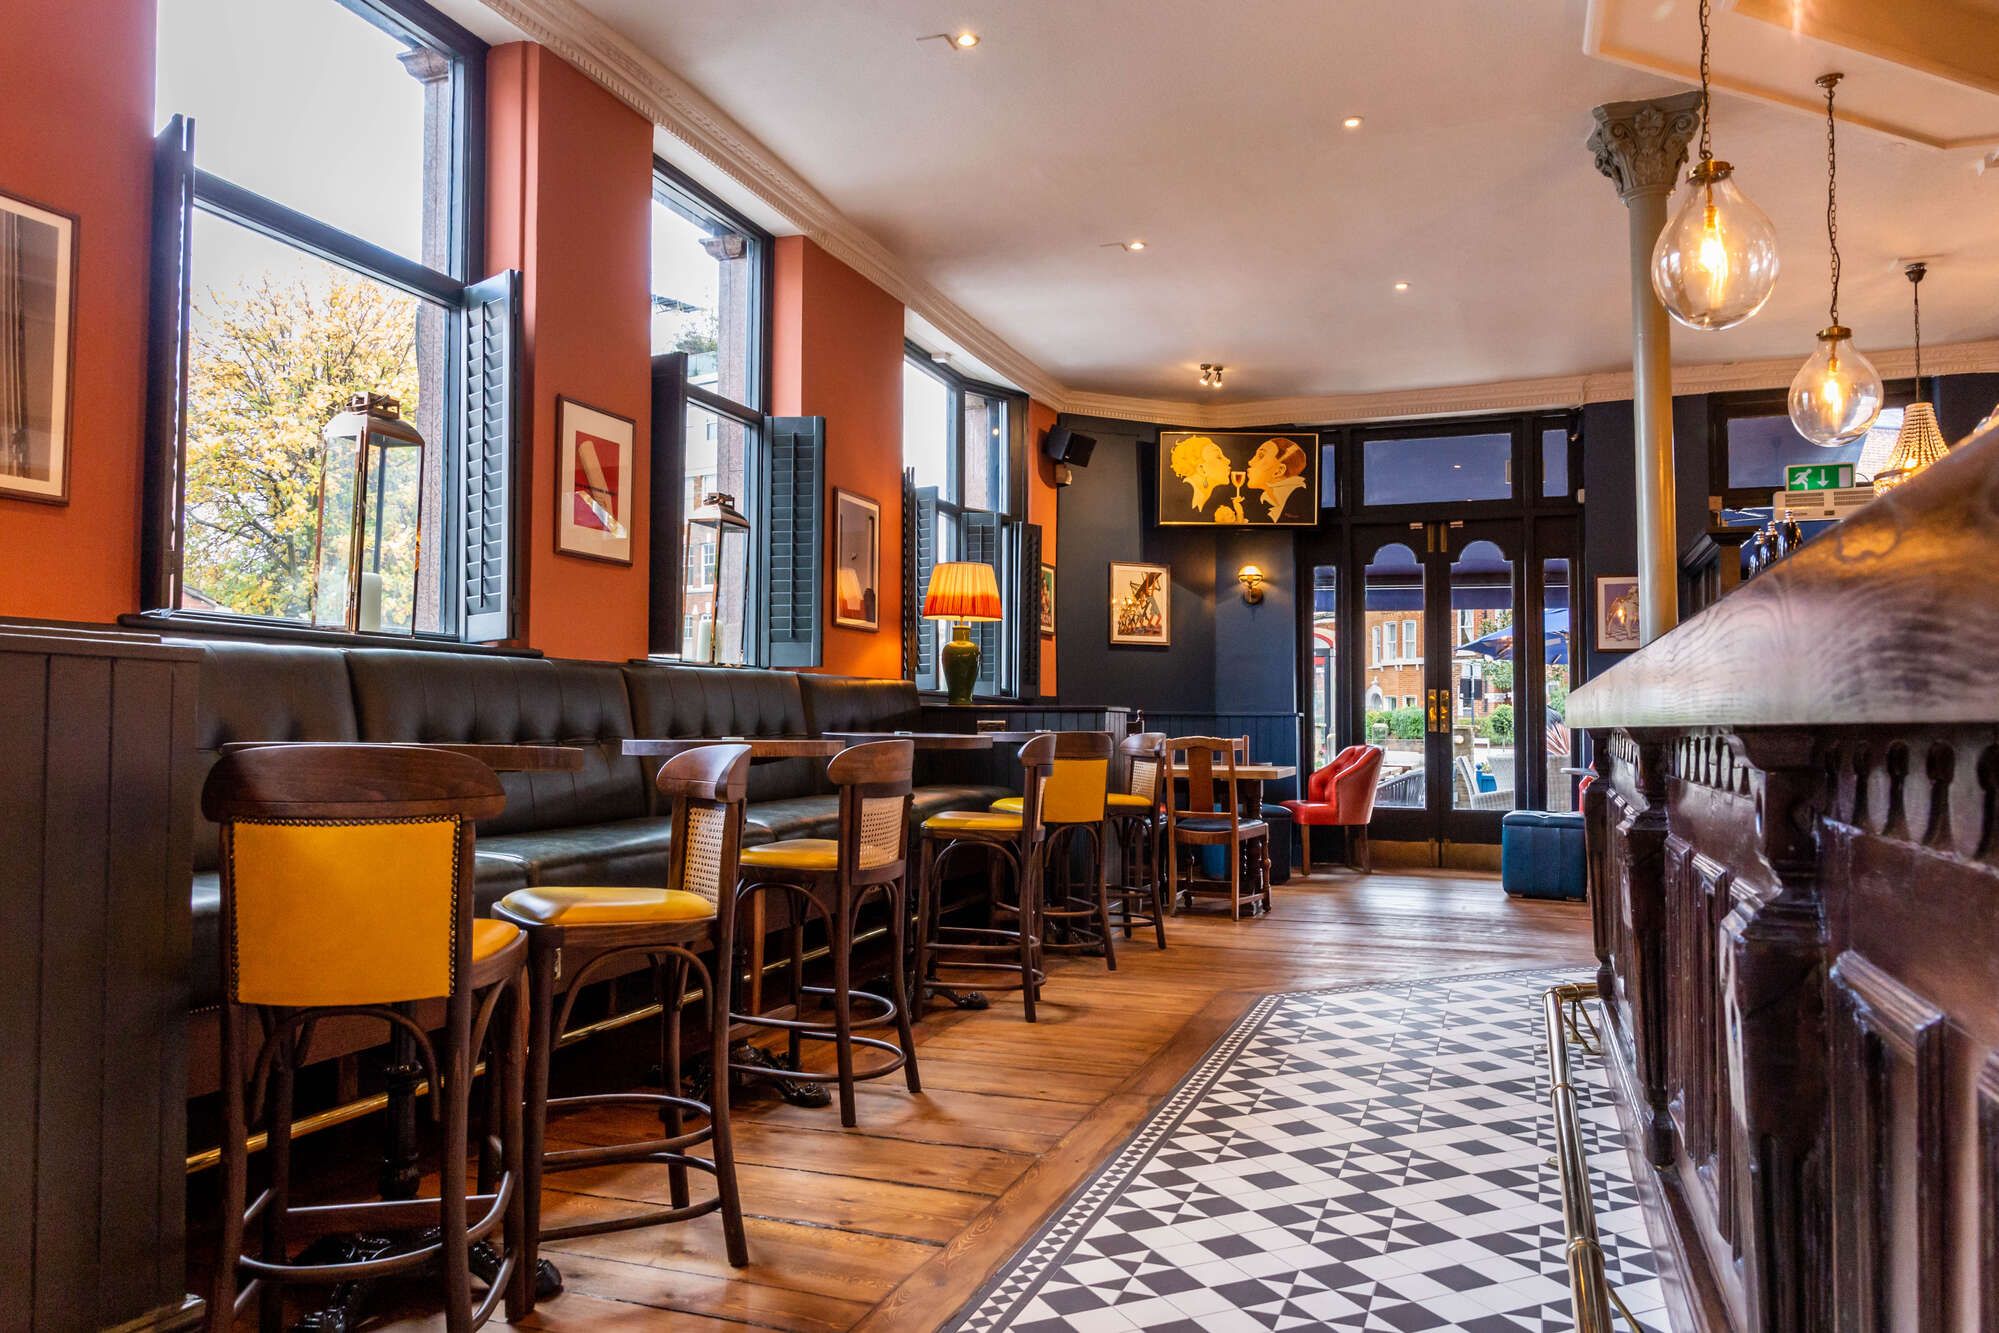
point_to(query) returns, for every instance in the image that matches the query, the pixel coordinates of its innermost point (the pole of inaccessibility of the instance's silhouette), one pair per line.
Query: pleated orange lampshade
(962, 590)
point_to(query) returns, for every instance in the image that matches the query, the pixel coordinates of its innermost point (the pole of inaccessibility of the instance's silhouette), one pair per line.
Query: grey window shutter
(1027, 620)
(794, 502)
(923, 559)
(166, 365)
(490, 420)
(982, 543)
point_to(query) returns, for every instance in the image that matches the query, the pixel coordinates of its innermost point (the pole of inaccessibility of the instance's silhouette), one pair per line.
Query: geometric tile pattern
(1373, 1157)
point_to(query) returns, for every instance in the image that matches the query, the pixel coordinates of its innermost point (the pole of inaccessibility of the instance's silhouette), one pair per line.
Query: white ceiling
(997, 176)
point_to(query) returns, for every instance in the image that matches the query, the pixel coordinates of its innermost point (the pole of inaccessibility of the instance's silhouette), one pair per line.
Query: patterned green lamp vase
(961, 591)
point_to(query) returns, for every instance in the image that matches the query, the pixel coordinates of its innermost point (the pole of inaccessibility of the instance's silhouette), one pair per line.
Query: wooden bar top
(761, 747)
(922, 740)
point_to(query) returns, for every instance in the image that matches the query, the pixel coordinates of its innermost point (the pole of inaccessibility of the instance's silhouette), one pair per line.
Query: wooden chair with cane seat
(592, 933)
(1213, 817)
(346, 877)
(1074, 804)
(1138, 820)
(836, 878)
(1009, 840)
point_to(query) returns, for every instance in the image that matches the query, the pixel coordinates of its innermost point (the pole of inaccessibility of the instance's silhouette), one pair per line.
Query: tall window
(328, 245)
(961, 442)
(707, 295)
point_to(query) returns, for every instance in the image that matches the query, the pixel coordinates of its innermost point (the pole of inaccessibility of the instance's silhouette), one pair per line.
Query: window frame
(1722, 408)
(951, 509)
(221, 198)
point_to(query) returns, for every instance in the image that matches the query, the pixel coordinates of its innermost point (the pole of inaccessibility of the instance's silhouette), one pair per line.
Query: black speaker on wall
(1066, 446)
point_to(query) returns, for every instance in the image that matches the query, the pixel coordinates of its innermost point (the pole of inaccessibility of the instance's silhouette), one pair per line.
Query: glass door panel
(1393, 686)
(1324, 664)
(1481, 679)
(1556, 582)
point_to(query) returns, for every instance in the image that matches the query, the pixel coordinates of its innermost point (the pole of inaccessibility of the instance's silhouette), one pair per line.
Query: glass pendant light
(1921, 441)
(1837, 393)
(1715, 263)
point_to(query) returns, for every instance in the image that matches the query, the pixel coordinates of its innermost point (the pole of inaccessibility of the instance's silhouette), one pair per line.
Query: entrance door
(1428, 671)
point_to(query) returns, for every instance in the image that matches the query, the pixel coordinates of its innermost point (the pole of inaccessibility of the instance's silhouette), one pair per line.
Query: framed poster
(1617, 613)
(1141, 604)
(37, 324)
(593, 475)
(1246, 478)
(1048, 601)
(857, 561)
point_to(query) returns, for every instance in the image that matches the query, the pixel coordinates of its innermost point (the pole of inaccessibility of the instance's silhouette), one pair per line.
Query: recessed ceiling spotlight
(963, 40)
(1401, 286)
(1133, 246)
(1353, 122)
(1211, 374)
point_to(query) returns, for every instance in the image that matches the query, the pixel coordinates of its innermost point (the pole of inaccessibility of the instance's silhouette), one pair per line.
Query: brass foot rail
(1589, 1291)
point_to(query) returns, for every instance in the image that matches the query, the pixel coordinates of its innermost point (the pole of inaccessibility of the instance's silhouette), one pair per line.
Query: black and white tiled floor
(1365, 1158)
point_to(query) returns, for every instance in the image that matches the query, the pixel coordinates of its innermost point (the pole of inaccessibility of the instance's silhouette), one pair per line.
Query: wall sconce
(1251, 579)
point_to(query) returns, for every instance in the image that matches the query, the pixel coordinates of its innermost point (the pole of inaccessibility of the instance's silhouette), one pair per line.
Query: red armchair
(1340, 795)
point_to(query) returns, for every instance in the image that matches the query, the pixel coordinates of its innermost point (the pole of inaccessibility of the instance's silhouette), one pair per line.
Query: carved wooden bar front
(1794, 861)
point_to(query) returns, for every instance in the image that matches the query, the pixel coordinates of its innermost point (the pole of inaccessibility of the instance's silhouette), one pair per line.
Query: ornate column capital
(1642, 145)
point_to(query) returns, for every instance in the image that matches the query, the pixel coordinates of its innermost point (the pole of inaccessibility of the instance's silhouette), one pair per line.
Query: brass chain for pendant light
(1915, 272)
(1830, 82)
(1707, 146)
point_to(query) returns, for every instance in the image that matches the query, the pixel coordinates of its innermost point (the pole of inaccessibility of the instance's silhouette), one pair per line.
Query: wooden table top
(1247, 772)
(922, 740)
(500, 758)
(761, 747)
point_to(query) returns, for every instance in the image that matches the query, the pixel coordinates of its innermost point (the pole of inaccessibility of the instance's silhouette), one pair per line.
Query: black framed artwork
(1238, 478)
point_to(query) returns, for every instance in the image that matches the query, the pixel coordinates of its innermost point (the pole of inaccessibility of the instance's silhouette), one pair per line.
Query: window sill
(195, 625)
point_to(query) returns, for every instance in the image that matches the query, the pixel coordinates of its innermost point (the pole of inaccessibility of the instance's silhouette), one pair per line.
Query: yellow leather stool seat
(490, 936)
(793, 854)
(973, 821)
(1010, 804)
(1124, 802)
(594, 906)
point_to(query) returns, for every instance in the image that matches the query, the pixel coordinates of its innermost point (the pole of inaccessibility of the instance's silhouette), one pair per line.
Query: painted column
(1641, 146)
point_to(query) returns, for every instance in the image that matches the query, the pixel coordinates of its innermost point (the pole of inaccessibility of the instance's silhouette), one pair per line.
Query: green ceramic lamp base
(959, 661)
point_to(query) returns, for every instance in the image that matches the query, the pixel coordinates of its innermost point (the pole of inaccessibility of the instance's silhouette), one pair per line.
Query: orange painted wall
(569, 190)
(77, 137)
(1042, 509)
(836, 352)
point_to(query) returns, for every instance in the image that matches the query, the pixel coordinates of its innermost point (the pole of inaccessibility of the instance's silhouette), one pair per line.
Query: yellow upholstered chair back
(707, 787)
(877, 782)
(1078, 779)
(345, 871)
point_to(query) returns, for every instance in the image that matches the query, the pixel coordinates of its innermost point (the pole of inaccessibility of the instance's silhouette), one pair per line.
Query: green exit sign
(1817, 476)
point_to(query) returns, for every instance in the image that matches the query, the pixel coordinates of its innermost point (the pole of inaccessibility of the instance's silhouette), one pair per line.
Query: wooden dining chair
(1211, 815)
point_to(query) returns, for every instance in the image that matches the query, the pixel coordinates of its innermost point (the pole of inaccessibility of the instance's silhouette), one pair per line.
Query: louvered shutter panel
(923, 559)
(486, 479)
(1027, 620)
(794, 501)
(982, 542)
(166, 365)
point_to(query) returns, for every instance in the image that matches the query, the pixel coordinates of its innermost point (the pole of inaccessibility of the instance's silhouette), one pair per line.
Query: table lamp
(961, 591)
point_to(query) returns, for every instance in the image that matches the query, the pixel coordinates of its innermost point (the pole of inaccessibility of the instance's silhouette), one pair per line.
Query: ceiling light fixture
(1401, 286)
(957, 41)
(1353, 122)
(1837, 393)
(1211, 374)
(1921, 441)
(1133, 246)
(1715, 264)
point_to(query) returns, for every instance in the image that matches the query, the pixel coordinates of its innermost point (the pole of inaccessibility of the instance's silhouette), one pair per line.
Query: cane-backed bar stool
(1138, 822)
(1010, 841)
(835, 878)
(346, 891)
(590, 933)
(1074, 805)
(1213, 817)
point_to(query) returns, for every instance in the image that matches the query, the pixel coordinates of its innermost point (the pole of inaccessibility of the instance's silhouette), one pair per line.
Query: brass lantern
(715, 599)
(370, 519)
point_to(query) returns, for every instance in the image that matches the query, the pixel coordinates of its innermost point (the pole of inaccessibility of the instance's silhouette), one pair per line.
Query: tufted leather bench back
(411, 695)
(672, 701)
(850, 703)
(263, 692)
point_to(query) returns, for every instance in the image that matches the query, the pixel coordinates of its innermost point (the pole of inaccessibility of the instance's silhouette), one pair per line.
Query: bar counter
(1794, 869)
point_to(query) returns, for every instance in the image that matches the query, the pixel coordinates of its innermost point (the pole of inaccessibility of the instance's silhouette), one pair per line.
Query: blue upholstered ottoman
(1541, 854)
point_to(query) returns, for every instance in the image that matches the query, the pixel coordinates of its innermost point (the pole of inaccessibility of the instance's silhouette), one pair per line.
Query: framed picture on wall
(593, 476)
(37, 322)
(1617, 613)
(1238, 478)
(1048, 601)
(857, 561)
(1141, 604)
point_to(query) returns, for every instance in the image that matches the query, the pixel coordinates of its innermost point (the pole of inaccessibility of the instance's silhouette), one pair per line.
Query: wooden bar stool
(1138, 821)
(346, 891)
(585, 933)
(836, 878)
(1009, 841)
(1211, 820)
(1074, 804)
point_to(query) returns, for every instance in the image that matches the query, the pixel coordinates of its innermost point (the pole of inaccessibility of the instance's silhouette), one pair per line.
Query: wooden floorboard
(893, 1225)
